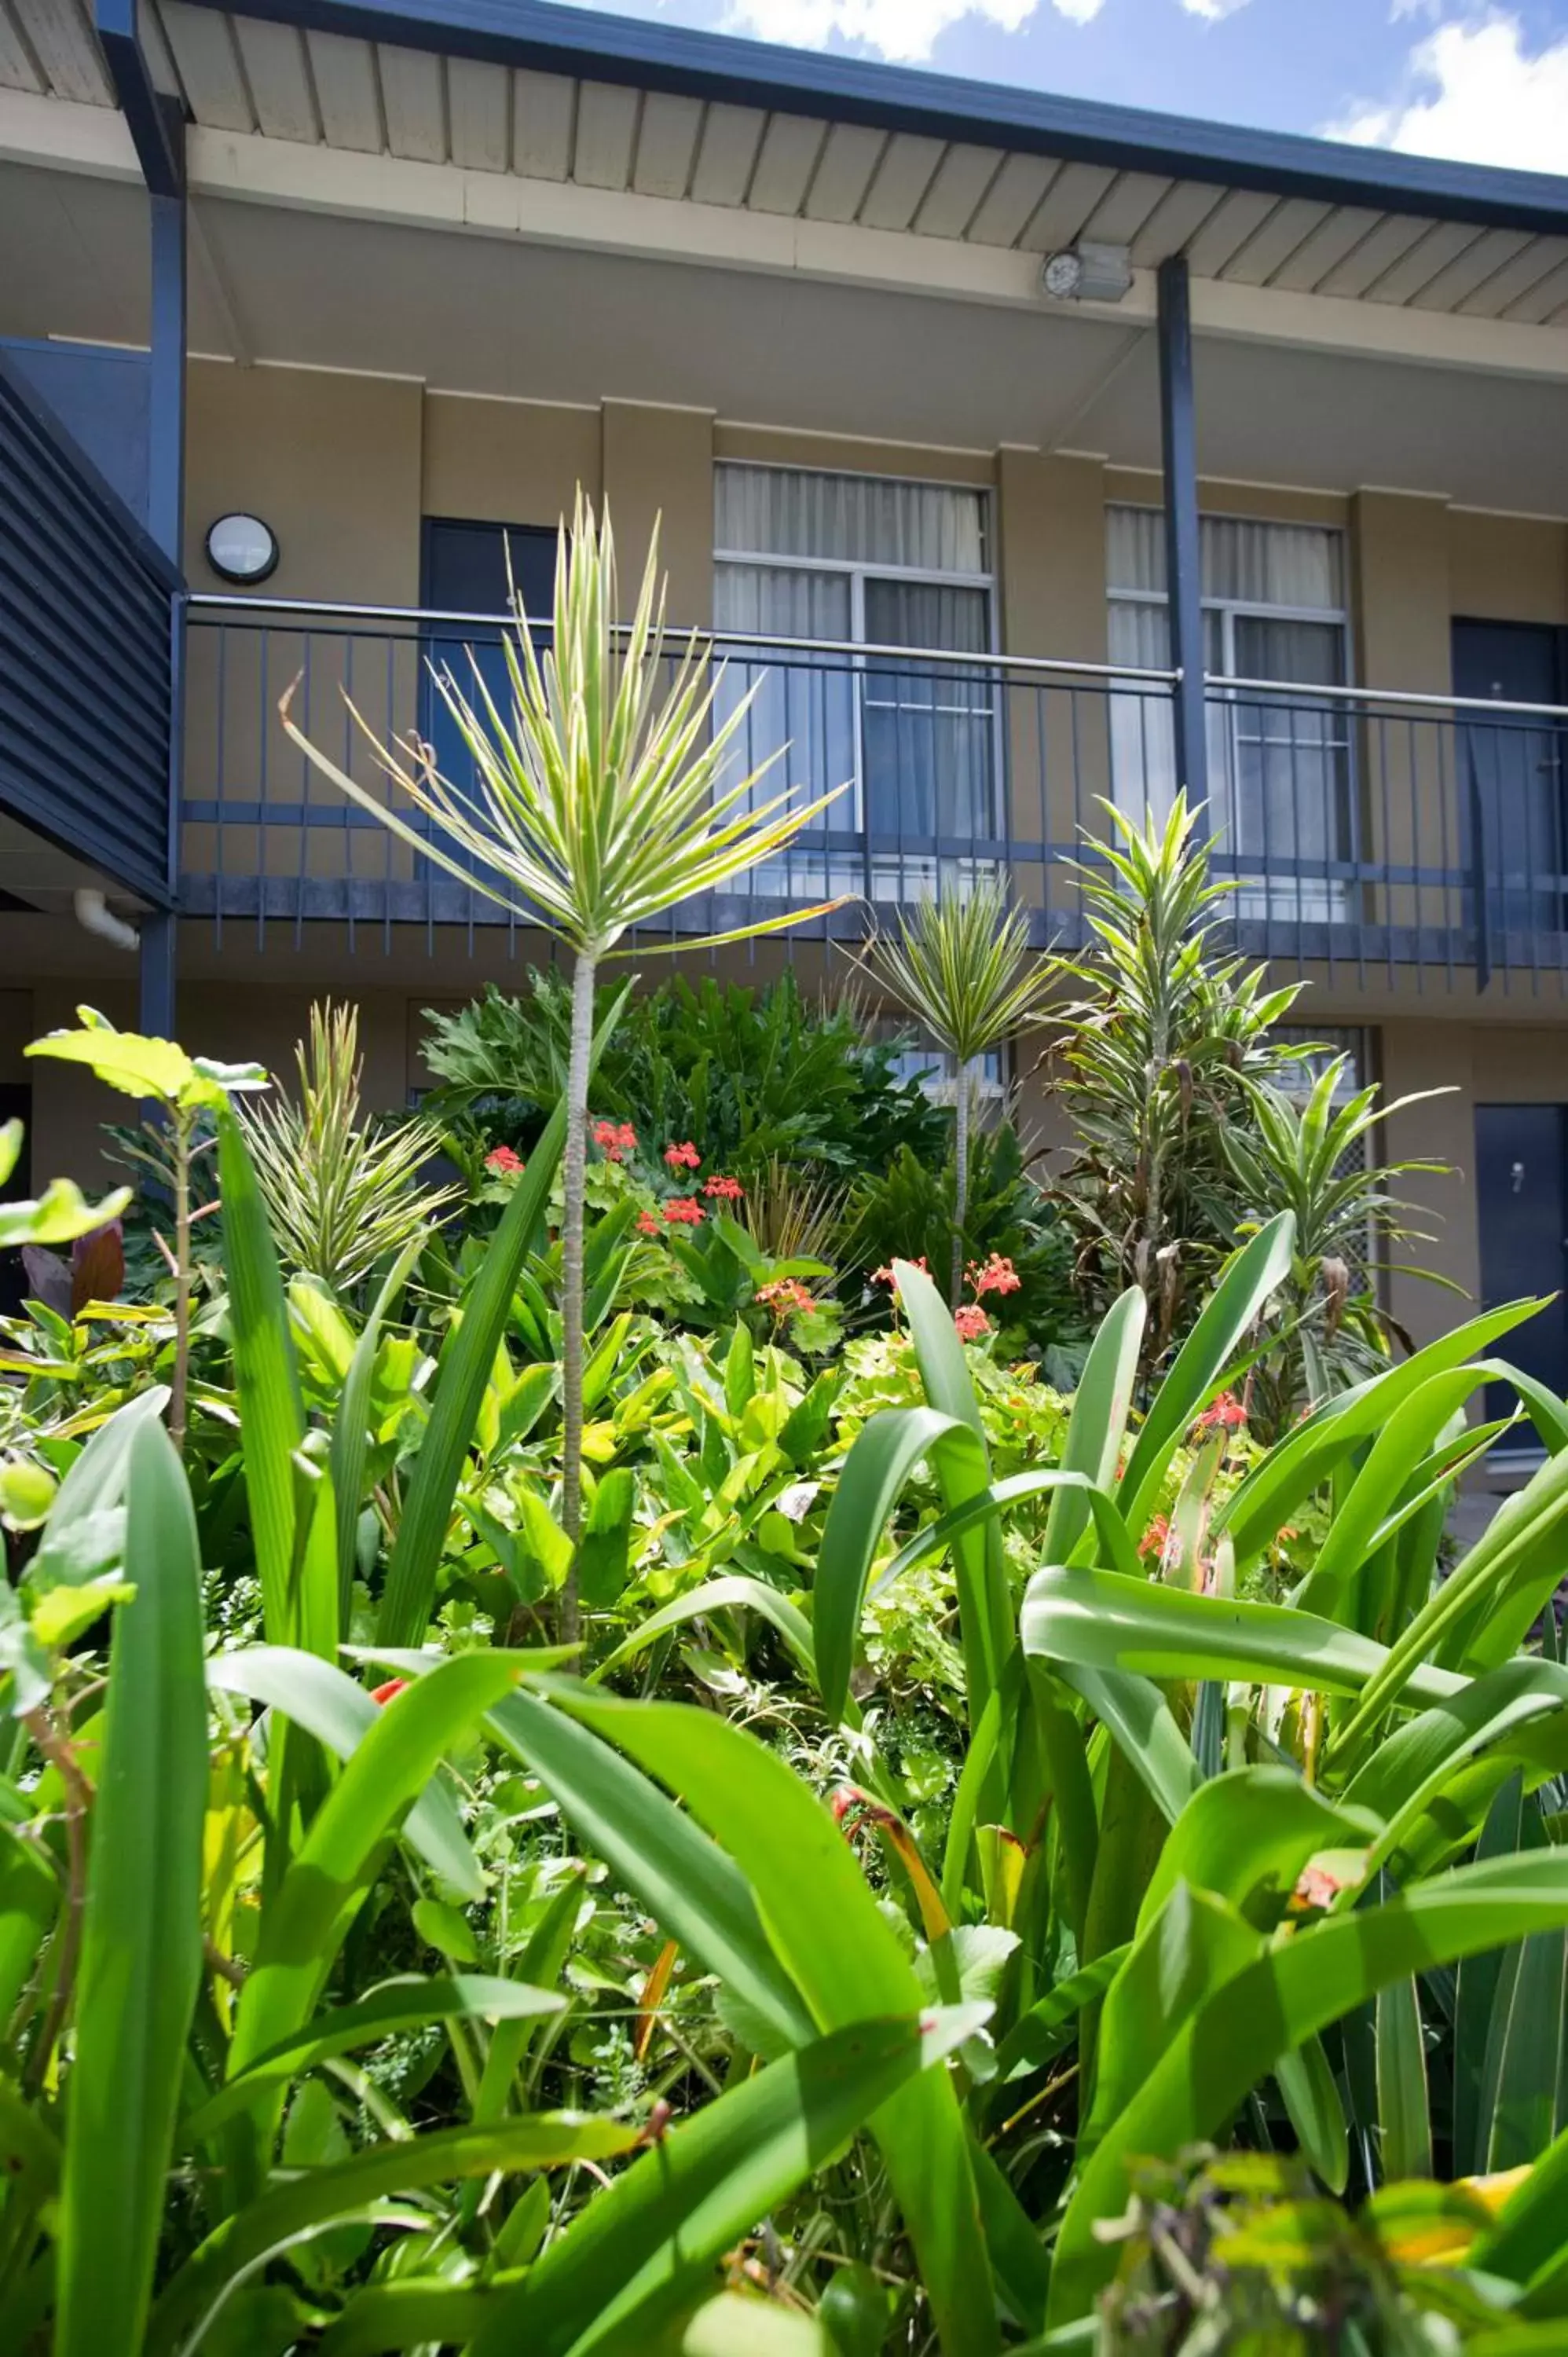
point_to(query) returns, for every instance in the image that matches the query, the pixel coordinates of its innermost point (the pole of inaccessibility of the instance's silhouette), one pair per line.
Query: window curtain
(930, 729)
(1244, 563)
(799, 726)
(861, 520)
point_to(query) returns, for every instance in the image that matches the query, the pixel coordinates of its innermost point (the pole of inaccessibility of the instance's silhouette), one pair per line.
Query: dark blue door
(465, 572)
(1511, 776)
(1522, 1185)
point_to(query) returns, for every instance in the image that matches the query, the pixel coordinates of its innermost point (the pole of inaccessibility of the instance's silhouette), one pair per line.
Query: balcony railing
(1363, 831)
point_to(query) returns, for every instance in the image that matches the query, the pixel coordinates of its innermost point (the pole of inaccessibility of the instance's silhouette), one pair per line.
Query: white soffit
(318, 91)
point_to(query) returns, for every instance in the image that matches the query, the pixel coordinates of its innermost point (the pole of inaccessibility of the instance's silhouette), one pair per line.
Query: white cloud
(906, 30)
(1212, 11)
(1476, 93)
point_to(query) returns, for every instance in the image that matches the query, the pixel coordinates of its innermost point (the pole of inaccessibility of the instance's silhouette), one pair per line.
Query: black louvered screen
(86, 653)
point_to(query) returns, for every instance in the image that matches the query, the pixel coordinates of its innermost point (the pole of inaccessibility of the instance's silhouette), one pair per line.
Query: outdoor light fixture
(1088, 273)
(242, 548)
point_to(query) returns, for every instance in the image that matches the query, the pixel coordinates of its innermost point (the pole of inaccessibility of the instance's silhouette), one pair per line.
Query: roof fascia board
(575, 41)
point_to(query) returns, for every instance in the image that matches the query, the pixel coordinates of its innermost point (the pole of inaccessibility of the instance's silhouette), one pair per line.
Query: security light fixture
(242, 548)
(1087, 272)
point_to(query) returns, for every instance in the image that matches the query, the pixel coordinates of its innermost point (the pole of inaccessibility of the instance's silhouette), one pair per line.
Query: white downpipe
(94, 915)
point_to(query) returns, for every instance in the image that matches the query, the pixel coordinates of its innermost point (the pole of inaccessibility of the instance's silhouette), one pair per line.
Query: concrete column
(659, 463)
(1434, 1055)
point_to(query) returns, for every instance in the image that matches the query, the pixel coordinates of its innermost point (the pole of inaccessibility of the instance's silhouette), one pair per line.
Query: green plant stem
(959, 1181)
(573, 1169)
(56, 1748)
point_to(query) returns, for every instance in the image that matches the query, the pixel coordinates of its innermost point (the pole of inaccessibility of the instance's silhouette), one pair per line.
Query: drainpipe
(94, 915)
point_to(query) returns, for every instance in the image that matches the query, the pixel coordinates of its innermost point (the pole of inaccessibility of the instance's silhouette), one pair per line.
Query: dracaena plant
(961, 967)
(606, 793)
(343, 1192)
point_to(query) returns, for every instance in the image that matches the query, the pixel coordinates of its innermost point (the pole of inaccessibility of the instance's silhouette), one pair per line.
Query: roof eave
(720, 68)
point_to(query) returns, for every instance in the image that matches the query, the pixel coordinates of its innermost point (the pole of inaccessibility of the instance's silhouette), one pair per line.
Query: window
(862, 562)
(1274, 607)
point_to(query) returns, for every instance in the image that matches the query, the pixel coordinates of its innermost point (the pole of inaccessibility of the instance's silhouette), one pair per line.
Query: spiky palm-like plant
(343, 1192)
(600, 799)
(962, 969)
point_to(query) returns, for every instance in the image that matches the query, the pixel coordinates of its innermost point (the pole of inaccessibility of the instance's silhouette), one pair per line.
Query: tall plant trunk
(574, 1167)
(960, 1179)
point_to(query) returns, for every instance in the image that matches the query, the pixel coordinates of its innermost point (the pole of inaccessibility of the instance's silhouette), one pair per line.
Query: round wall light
(242, 548)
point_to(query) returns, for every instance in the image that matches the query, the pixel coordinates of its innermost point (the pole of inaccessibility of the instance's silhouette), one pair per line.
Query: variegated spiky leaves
(604, 795)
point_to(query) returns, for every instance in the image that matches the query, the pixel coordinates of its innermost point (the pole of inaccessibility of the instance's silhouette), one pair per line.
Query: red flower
(503, 1159)
(385, 1693)
(972, 1322)
(784, 1296)
(996, 1275)
(1157, 1538)
(886, 1276)
(646, 1225)
(683, 1211)
(615, 1138)
(682, 1157)
(730, 1190)
(1224, 1415)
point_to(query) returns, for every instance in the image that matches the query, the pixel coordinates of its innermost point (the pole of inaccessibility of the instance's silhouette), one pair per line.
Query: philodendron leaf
(60, 1215)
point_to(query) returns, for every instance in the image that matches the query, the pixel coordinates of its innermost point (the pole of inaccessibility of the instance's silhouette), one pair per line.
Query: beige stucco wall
(1505, 568)
(508, 461)
(658, 466)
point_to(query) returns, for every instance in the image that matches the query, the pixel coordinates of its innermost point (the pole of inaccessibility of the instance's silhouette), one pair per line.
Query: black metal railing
(1359, 830)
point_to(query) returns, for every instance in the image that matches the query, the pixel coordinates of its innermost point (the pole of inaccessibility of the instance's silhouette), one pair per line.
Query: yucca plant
(603, 796)
(961, 967)
(343, 1191)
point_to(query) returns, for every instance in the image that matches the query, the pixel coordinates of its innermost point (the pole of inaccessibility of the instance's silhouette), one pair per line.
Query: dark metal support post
(166, 454)
(1184, 578)
(154, 1013)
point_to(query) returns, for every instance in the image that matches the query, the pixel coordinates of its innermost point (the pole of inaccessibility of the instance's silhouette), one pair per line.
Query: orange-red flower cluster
(683, 1211)
(1157, 1538)
(646, 1225)
(886, 1276)
(617, 1138)
(503, 1159)
(996, 1275)
(785, 1296)
(728, 1190)
(1224, 1415)
(682, 1157)
(971, 1321)
(393, 1687)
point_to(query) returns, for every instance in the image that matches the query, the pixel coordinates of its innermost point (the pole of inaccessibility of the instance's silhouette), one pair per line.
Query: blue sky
(1488, 83)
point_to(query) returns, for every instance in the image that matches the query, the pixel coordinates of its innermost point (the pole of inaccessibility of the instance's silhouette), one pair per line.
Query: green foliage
(754, 1074)
(343, 1191)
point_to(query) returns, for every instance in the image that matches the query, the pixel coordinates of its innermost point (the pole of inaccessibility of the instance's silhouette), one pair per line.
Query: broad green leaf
(604, 1551)
(1245, 1837)
(1395, 1453)
(421, 2312)
(1403, 2117)
(844, 1956)
(84, 1537)
(647, 2245)
(318, 1697)
(1047, 2026)
(1298, 1986)
(733, 1591)
(30, 1896)
(1409, 1772)
(1097, 1427)
(1475, 1994)
(332, 1869)
(1144, 1727)
(141, 1939)
(1310, 2094)
(344, 2189)
(1102, 1620)
(986, 1608)
(407, 2003)
(1184, 1950)
(1115, 1539)
(350, 1426)
(466, 1362)
(266, 1379)
(697, 1895)
(1259, 1269)
(1531, 2235)
(1300, 1463)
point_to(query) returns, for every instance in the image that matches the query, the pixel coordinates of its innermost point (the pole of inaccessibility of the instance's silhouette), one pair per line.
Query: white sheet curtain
(862, 519)
(917, 739)
(1279, 765)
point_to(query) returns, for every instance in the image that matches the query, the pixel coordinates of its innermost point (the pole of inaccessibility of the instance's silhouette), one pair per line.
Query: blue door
(1522, 1185)
(1511, 776)
(465, 574)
